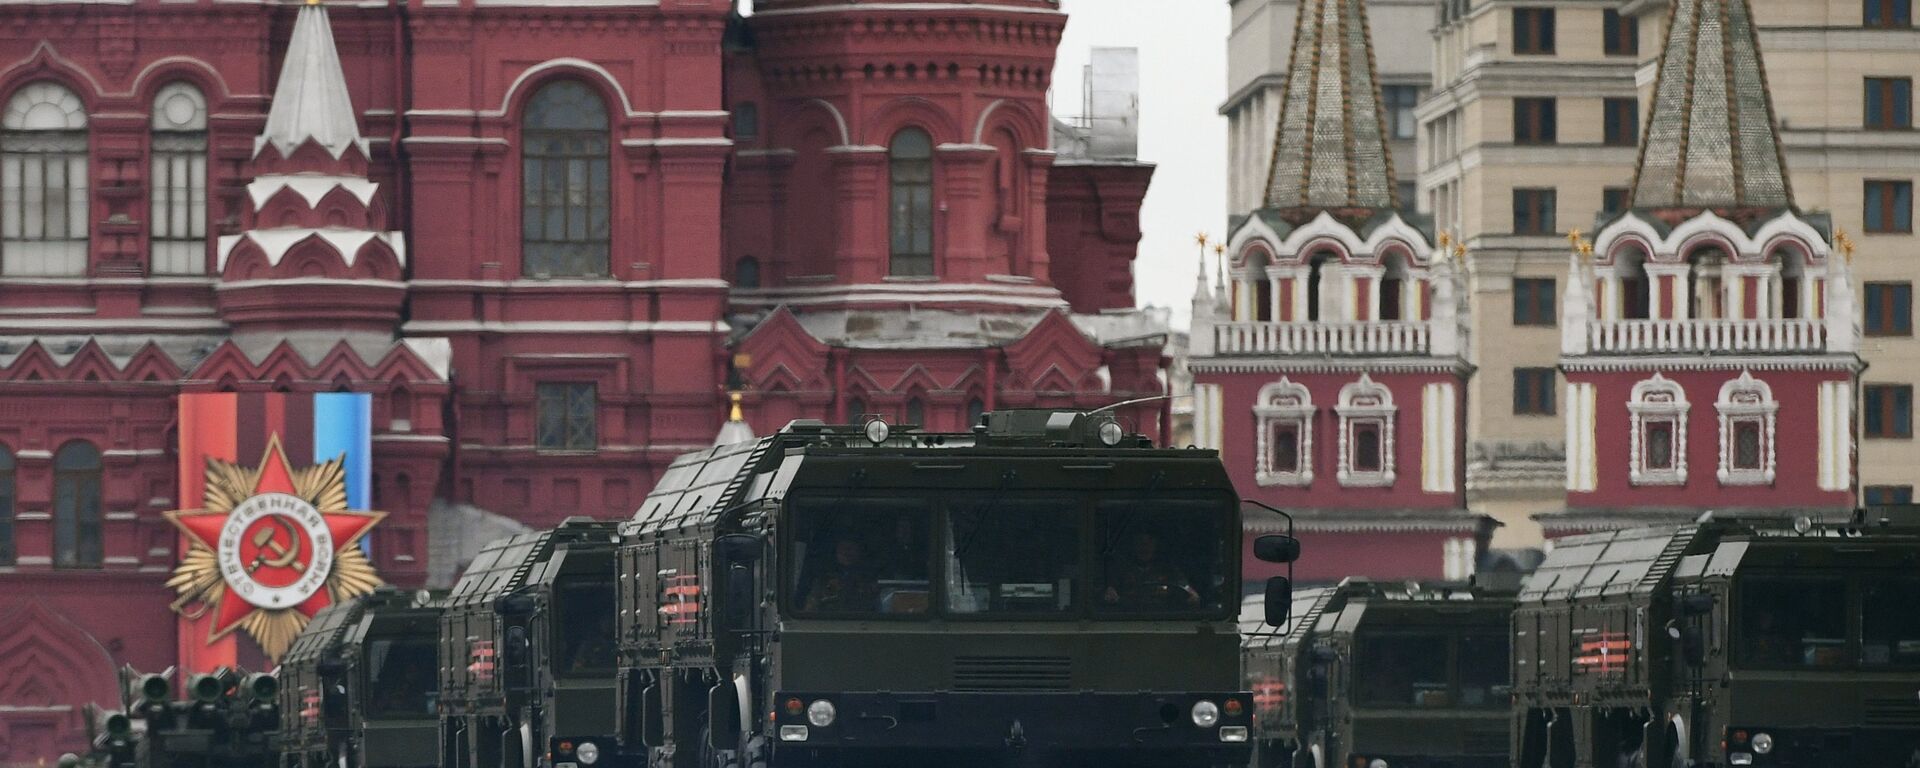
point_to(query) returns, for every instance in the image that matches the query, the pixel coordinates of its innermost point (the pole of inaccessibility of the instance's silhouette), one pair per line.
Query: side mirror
(1276, 548)
(723, 716)
(735, 556)
(739, 548)
(1696, 603)
(1279, 599)
(516, 605)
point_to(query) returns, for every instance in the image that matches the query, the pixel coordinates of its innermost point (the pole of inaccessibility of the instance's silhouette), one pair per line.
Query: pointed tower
(1711, 318)
(315, 252)
(1332, 374)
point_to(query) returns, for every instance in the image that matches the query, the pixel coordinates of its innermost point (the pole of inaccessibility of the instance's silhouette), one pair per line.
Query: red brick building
(1329, 361)
(547, 236)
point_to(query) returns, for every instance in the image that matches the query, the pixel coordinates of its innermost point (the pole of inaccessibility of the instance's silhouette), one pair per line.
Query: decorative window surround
(1280, 404)
(1747, 399)
(1365, 403)
(1655, 402)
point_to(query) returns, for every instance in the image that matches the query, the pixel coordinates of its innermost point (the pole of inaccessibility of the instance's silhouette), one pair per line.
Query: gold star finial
(1841, 239)
(1446, 240)
(735, 415)
(1202, 239)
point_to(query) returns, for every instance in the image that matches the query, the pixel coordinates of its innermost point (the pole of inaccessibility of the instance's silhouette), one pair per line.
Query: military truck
(527, 647)
(1383, 675)
(358, 686)
(227, 720)
(1047, 588)
(1734, 641)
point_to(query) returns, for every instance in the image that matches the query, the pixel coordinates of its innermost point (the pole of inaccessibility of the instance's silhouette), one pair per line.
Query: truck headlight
(820, 713)
(1377, 763)
(1233, 733)
(588, 752)
(1762, 743)
(1205, 713)
(793, 733)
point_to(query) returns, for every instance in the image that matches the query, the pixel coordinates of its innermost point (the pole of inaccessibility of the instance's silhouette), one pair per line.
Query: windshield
(1793, 621)
(1012, 557)
(1403, 669)
(1006, 554)
(1163, 555)
(401, 678)
(861, 556)
(1890, 626)
(1484, 678)
(585, 636)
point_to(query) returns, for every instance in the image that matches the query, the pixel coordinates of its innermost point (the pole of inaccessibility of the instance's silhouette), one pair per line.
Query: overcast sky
(1183, 79)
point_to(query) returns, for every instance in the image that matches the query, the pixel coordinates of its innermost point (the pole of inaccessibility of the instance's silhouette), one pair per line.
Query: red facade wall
(1797, 430)
(1326, 557)
(1238, 423)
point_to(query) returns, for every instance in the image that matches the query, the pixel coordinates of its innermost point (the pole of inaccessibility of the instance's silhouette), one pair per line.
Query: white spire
(311, 103)
(736, 429)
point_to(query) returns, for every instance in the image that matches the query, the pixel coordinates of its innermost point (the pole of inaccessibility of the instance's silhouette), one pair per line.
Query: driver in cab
(1141, 579)
(847, 584)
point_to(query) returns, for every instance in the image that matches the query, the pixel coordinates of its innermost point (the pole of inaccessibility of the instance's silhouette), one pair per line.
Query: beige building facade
(1530, 128)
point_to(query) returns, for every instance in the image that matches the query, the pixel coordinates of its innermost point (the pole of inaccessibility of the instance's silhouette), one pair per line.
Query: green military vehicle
(527, 647)
(228, 719)
(1383, 675)
(358, 688)
(1728, 642)
(1047, 589)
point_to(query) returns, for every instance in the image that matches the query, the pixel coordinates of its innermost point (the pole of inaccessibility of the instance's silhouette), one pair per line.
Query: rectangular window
(1889, 627)
(1533, 301)
(1533, 392)
(1286, 447)
(568, 417)
(1889, 309)
(1889, 411)
(1409, 192)
(1622, 34)
(1888, 494)
(1622, 127)
(1401, 100)
(1535, 121)
(1533, 31)
(43, 203)
(1888, 13)
(1792, 621)
(1613, 200)
(179, 204)
(1659, 448)
(1533, 211)
(1889, 206)
(1746, 444)
(1366, 446)
(1889, 103)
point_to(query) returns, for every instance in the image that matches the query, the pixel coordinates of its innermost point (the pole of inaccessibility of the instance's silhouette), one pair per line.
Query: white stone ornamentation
(1658, 405)
(1283, 403)
(1747, 402)
(1366, 406)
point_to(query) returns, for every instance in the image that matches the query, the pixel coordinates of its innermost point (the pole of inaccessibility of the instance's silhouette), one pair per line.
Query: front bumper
(1110, 728)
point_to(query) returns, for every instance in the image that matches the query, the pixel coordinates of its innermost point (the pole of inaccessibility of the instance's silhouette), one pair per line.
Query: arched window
(916, 411)
(910, 172)
(746, 272)
(976, 408)
(1260, 285)
(1314, 274)
(1366, 414)
(1747, 410)
(43, 199)
(1284, 440)
(1705, 298)
(6, 506)
(746, 121)
(1657, 442)
(1636, 290)
(76, 506)
(1392, 288)
(563, 182)
(1792, 284)
(178, 185)
(856, 410)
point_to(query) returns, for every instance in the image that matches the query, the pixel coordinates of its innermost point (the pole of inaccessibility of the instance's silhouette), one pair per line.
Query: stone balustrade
(1322, 338)
(1689, 336)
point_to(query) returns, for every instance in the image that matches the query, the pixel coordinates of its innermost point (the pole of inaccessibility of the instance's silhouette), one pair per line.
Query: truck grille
(1012, 673)
(1893, 712)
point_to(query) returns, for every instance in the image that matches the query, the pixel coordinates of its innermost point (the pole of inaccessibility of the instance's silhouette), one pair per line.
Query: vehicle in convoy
(1383, 675)
(1730, 642)
(527, 647)
(227, 719)
(1047, 589)
(358, 686)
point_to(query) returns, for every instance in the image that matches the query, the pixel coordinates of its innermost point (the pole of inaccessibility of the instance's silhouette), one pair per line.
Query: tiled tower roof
(1710, 140)
(1330, 150)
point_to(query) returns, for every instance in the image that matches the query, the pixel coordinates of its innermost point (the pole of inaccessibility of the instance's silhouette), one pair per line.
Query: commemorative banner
(274, 490)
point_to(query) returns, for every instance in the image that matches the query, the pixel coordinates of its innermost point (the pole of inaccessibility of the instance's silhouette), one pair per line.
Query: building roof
(310, 101)
(1710, 139)
(1330, 150)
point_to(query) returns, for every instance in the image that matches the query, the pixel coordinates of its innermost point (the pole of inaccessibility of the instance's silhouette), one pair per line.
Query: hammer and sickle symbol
(284, 555)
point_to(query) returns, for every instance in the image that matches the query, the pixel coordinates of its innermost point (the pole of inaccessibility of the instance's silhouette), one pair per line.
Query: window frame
(1536, 203)
(1902, 494)
(1369, 404)
(73, 488)
(1620, 122)
(915, 212)
(1533, 31)
(1747, 401)
(1533, 391)
(569, 396)
(1536, 121)
(1886, 14)
(1536, 302)
(1620, 35)
(1883, 212)
(589, 150)
(1881, 405)
(24, 252)
(1283, 403)
(1392, 97)
(1887, 103)
(1887, 309)
(1657, 401)
(177, 180)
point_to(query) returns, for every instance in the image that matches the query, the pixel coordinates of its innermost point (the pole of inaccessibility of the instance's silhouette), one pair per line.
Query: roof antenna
(1134, 401)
